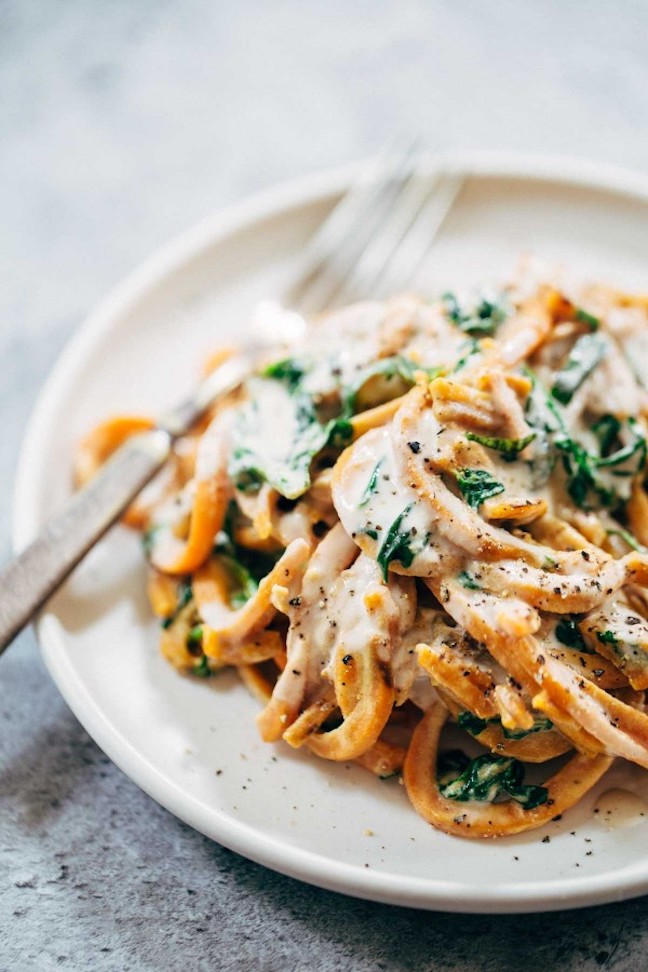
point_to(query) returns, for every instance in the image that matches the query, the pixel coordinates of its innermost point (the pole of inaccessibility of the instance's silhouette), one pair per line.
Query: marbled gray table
(121, 124)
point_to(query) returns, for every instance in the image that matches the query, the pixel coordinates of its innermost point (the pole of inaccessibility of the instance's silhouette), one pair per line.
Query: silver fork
(371, 244)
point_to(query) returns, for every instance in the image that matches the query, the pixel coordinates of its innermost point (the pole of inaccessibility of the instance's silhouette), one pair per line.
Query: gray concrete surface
(122, 123)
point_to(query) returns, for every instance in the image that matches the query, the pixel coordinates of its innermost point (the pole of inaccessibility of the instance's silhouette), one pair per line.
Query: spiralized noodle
(432, 512)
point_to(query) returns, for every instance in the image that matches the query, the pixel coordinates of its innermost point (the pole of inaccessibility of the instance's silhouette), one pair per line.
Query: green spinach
(184, 596)
(584, 356)
(475, 726)
(467, 580)
(288, 473)
(477, 485)
(372, 485)
(568, 633)
(601, 475)
(543, 415)
(246, 567)
(508, 448)
(290, 370)
(467, 350)
(202, 669)
(606, 429)
(486, 778)
(195, 636)
(398, 369)
(629, 539)
(586, 318)
(396, 545)
(479, 321)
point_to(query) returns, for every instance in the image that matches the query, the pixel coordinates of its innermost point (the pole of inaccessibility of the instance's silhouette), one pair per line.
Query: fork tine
(362, 195)
(365, 276)
(407, 258)
(338, 244)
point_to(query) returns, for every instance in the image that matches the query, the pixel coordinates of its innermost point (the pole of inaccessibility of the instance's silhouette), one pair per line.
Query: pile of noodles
(431, 511)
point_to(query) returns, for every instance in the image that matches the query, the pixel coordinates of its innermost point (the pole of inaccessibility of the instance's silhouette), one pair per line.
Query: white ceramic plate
(192, 744)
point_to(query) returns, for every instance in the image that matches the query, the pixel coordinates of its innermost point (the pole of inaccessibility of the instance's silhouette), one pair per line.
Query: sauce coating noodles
(431, 511)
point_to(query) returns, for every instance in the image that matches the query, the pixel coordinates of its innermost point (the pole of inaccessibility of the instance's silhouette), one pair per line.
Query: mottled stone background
(123, 122)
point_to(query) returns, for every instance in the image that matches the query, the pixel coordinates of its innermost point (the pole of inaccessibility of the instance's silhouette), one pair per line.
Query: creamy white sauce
(310, 636)
(403, 662)
(270, 422)
(273, 322)
(617, 808)
(165, 545)
(216, 614)
(439, 444)
(343, 347)
(630, 328)
(341, 350)
(358, 628)
(213, 448)
(421, 691)
(364, 515)
(334, 612)
(405, 666)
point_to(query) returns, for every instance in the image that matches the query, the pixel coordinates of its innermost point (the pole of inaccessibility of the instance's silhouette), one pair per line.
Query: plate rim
(243, 838)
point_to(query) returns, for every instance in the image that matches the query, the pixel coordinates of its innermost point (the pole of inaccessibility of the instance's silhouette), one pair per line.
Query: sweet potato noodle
(432, 511)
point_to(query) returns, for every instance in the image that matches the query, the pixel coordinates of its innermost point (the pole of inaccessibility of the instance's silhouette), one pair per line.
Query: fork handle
(43, 566)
